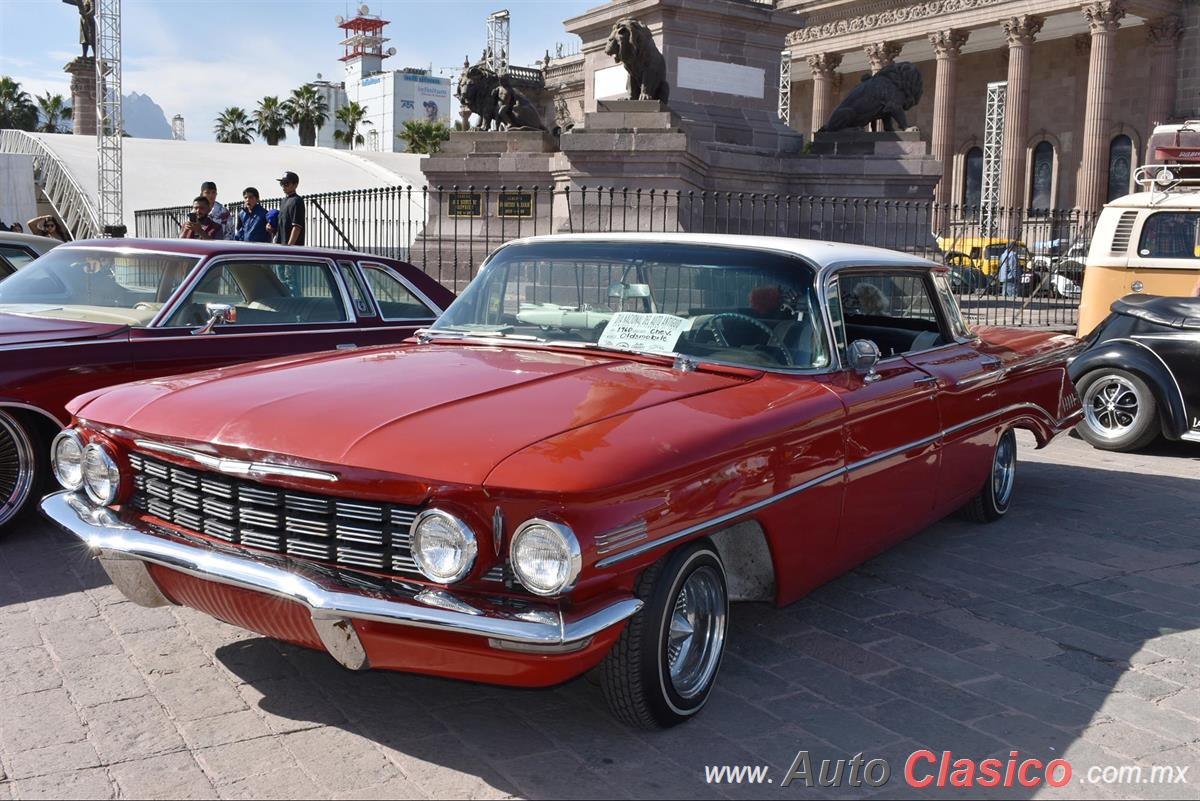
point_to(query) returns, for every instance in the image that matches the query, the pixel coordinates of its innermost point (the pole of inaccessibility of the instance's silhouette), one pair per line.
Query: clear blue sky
(195, 57)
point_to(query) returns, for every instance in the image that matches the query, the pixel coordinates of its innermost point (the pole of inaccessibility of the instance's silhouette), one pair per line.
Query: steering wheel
(718, 328)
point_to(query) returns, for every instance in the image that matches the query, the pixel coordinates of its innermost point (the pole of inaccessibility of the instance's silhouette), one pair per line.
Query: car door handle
(347, 346)
(925, 381)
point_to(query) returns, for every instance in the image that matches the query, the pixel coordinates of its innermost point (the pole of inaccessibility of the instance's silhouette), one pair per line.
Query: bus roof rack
(1172, 159)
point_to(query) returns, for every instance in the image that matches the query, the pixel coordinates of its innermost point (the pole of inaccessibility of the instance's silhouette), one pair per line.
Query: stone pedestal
(485, 188)
(83, 95)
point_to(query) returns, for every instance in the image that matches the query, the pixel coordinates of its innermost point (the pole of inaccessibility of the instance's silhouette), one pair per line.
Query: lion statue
(884, 96)
(632, 46)
(496, 101)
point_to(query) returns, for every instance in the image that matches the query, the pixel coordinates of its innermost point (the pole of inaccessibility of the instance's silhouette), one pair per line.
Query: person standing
(252, 219)
(217, 212)
(291, 228)
(47, 225)
(199, 224)
(1010, 269)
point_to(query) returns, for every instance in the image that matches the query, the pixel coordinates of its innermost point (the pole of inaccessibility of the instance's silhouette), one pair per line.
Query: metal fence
(447, 231)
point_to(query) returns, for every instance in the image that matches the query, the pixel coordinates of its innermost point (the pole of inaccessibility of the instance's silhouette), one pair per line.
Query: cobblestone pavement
(1070, 629)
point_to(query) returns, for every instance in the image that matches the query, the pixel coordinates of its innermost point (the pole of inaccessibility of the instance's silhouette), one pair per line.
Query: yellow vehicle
(1148, 242)
(981, 252)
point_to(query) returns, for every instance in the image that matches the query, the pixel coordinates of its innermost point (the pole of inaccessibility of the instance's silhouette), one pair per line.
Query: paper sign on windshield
(646, 333)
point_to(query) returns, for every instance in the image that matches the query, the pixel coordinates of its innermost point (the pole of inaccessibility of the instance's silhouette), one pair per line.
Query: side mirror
(864, 355)
(218, 314)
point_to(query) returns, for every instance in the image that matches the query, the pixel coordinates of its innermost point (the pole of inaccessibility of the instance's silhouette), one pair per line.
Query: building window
(1120, 165)
(973, 178)
(1041, 185)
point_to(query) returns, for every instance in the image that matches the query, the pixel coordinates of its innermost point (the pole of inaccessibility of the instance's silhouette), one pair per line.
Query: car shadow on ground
(1071, 629)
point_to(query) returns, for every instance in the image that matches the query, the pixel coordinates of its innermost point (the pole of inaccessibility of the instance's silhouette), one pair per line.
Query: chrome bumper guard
(124, 552)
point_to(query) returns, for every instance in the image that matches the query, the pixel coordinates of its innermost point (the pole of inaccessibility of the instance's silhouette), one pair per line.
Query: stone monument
(83, 71)
(680, 100)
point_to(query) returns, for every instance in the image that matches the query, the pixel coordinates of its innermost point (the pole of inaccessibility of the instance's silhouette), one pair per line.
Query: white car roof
(822, 254)
(41, 244)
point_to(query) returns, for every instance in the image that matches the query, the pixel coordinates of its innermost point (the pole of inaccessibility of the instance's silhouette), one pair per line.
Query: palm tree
(352, 116)
(306, 111)
(270, 120)
(234, 127)
(16, 109)
(55, 112)
(422, 136)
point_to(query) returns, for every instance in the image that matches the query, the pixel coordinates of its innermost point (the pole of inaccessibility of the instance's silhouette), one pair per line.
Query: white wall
(18, 195)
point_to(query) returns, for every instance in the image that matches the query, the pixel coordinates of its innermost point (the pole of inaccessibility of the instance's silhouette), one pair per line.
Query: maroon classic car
(95, 313)
(601, 443)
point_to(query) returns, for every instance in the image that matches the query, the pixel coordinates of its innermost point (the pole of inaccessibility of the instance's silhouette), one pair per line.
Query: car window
(17, 257)
(396, 301)
(958, 325)
(358, 293)
(833, 301)
(893, 310)
(266, 293)
(1170, 235)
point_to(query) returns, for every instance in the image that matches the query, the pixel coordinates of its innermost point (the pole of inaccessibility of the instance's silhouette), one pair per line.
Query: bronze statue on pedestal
(632, 46)
(884, 96)
(87, 24)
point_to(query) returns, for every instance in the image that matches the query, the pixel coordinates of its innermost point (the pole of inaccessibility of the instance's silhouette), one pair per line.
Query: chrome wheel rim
(1111, 406)
(696, 632)
(16, 468)
(1004, 469)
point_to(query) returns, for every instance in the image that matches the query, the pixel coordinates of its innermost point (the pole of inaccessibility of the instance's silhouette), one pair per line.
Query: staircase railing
(72, 205)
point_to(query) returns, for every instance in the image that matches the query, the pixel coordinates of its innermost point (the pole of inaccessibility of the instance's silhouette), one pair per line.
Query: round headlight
(442, 546)
(545, 556)
(101, 476)
(66, 458)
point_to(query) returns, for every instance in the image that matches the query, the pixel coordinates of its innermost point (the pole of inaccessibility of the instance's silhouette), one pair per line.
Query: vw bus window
(1170, 235)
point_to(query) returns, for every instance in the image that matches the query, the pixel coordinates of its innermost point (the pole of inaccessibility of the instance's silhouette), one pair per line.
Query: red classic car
(92, 314)
(518, 502)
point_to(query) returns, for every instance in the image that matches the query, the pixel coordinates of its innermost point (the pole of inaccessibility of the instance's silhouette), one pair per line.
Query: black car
(1139, 377)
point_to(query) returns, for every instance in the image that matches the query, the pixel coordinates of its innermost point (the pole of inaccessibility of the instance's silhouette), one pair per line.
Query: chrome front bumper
(124, 552)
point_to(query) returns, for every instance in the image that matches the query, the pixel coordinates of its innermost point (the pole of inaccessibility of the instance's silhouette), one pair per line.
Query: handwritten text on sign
(648, 333)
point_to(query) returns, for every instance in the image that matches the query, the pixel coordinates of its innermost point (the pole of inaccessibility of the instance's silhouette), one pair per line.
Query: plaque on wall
(464, 204)
(719, 76)
(515, 205)
(610, 83)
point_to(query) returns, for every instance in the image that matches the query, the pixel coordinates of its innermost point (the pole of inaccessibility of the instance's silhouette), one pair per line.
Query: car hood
(438, 412)
(19, 329)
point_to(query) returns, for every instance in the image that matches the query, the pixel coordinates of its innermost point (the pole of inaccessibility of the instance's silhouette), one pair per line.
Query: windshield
(95, 284)
(742, 307)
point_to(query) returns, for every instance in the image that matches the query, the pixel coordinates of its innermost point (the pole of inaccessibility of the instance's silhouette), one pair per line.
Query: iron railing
(448, 231)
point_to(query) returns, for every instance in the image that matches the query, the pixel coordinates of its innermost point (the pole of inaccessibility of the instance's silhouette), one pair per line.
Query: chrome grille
(355, 534)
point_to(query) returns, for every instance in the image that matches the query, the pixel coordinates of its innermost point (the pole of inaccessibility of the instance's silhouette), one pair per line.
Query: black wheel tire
(635, 675)
(995, 497)
(24, 467)
(1145, 427)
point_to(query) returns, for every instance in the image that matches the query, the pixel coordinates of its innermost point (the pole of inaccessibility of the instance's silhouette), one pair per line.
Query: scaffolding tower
(177, 132)
(110, 123)
(993, 145)
(785, 86)
(498, 41)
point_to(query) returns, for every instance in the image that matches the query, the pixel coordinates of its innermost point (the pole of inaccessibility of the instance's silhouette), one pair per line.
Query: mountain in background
(144, 118)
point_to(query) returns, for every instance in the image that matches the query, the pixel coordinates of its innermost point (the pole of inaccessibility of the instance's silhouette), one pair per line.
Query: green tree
(234, 127)
(353, 117)
(16, 109)
(271, 120)
(422, 136)
(54, 113)
(307, 112)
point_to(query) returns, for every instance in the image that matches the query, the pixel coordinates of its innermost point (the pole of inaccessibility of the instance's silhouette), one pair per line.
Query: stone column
(1020, 32)
(1163, 35)
(824, 66)
(947, 45)
(83, 95)
(882, 54)
(1103, 18)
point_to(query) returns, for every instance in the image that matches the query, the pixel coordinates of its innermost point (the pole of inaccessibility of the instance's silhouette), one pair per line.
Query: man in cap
(291, 227)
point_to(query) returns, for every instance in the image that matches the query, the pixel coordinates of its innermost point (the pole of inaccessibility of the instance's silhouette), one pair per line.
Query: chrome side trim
(110, 539)
(235, 467)
(821, 479)
(1191, 436)
(30, 408)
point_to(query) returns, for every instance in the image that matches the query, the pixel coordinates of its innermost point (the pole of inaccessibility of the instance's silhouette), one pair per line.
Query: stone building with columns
(1086, 83)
